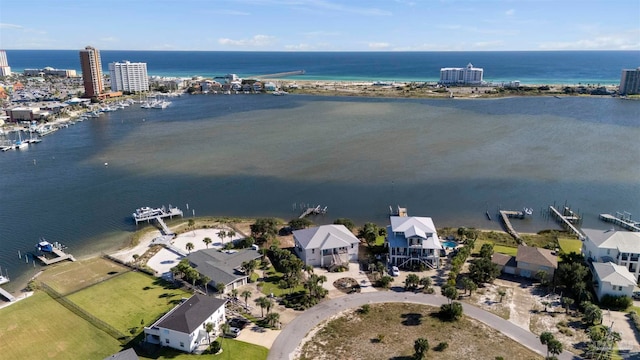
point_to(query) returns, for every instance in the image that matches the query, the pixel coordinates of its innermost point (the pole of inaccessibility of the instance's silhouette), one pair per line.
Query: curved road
(293, 333)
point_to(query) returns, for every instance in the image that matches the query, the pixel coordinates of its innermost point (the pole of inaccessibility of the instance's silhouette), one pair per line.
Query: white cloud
(596, 43)
(229, 12)
(109, 39)
(488, 45)
(379, 45)
(10, 26)
(510, 12)
(299, 47)
(256, 41)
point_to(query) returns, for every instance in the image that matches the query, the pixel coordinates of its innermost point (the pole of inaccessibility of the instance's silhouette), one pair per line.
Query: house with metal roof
(619, 247)
(184, 327)
(529, 260)
(326, 245)
(612, 279)
(413, 240)
(223, 266)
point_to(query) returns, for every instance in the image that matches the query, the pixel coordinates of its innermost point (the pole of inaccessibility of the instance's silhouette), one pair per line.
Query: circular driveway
(292, 335)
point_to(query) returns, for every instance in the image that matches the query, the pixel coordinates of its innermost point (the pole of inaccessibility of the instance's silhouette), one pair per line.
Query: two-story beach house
(184, 327)
(619, 247)
(413, 240)
(326, 245)
(612, 279)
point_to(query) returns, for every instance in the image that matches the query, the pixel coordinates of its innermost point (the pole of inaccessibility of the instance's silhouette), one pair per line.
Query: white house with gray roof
(184, 327)
(613, 280)
(619, 247)
(413, 240)
(326, 245)
(223, 266)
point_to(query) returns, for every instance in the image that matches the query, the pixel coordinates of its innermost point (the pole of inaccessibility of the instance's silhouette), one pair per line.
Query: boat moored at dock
(147, 213)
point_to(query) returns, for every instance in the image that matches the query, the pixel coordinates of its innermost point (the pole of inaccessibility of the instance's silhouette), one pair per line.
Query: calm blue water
(530, 67)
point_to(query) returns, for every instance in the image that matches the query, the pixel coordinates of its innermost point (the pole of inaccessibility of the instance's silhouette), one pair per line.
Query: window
(166, 340)
(313, 251)
(181, 344)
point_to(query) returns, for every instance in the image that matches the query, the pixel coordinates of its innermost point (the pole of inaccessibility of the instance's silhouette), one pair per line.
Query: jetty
(400, 211)
(567, 218)
(148, 214)
(5, 294)
(505, 215)
(622, 219)
(313, 211)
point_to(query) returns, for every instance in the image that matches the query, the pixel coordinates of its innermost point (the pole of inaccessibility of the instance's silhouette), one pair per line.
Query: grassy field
(68, 277)
(231, 350)
(497, 248)
(388, 331)
(271, 284)
(568, 245)
(40, 328)
(140, 299)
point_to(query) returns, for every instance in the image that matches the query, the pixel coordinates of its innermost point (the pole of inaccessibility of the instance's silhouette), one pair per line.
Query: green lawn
(128, 301)
(271, 284)
(231, 350)
(568, 245)
(40, 328)
(502, 249)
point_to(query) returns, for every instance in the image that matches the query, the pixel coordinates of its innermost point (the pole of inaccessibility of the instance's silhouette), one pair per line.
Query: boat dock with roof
(622, 219)
(55, 251)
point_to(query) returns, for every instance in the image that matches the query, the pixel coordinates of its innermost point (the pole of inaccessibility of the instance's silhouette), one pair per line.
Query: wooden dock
(7, 295)
(313, 211)
(623, 222)
(401, 211)
(505, 215)
(60, 256)
(159, 213)
(163, 225)
(566, 219)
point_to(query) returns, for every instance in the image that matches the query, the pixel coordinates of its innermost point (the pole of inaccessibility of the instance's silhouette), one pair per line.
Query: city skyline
(322, 25)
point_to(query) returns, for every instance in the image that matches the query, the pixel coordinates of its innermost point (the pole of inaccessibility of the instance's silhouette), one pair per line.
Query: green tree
(385, 281)
(298, 224)
(222, 234)
(545, 338)
(220, 287)
(592, 314)
(468, 285)
(369, 233)
(451, 312)
(273, 319)
(189, 247)
(231, 234)
(234, 293)
(207, 241)
(191, 223)
(249, 266)
(263, 303)
(420, 346)
(426, 282)
(314, 286)
(502, 293)
(348, 223)
(486, 251)
(209, 328)
(566, 303)
(411, 281)
(264, 229)
(450, 292)
(554, 346)
(483, 271)
(204, 281)
(246, 294)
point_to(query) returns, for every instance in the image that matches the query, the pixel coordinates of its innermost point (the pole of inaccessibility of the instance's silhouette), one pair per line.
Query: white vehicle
(395, 271)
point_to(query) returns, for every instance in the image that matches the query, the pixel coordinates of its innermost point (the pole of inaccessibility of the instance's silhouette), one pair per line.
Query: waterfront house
(413, 240)
(184, 327)
(326, 245)
(270, 86)
(619, 247)
(257, 86)
(223, 267)
(612, 279)
(528, 262)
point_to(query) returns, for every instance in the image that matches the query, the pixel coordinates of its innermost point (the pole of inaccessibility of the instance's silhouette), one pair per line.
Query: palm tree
(207, 241)
(234, 293)
(246, 295)
(224, 328)
(204, 280)
(421, 346)
(502, 293)
(262, 302)
(268, 304)
(554, 346)
(220, 288)
(189, 247)
(273, 319)
(545, 338)
(209, 328)
(231, 234)
(222, 234)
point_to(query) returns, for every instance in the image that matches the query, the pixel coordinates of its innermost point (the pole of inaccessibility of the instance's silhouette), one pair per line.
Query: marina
(622, 219)
(567, 218)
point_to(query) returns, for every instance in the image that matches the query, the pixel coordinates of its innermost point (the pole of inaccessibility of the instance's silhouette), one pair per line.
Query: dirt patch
(389, 331)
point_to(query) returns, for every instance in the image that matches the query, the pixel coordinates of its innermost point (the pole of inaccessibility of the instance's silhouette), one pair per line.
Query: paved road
(292, 335)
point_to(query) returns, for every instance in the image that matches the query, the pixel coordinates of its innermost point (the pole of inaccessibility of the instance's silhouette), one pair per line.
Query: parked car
(395, 271)
(636, 295)
(232, 333)
(239, 323)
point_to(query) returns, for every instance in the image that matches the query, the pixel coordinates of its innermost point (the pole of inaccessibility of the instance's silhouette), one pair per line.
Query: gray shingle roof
(325, 237)
(187, 316)
(220, 266)
(537, 256)
(614, 274)
(128, 354)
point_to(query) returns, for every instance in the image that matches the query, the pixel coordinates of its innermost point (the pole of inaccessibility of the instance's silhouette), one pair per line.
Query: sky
(321, 25)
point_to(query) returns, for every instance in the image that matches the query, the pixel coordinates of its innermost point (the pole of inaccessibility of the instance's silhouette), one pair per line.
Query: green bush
(364, 309)
(451, 312)
(214, 348)
(441, 346)
(617, 303)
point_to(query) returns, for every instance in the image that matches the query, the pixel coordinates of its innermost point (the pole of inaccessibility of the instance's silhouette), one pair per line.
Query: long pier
(623, 222)
(163, 225)
(281, 75)
(567, 220)
(505, 215)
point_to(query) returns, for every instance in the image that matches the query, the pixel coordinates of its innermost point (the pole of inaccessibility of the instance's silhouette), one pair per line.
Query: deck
(622, 222)
(60, 256)
(5, 294)
(567, 220)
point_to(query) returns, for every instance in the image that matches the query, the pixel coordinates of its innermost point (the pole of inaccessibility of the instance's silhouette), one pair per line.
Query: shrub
(451, 312)
(441, 346)
(215, 347)
(618, 303)
(364, 309)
